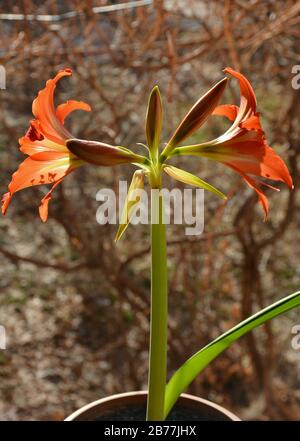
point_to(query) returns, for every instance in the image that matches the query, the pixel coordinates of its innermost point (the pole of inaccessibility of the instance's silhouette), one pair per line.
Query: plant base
(131, 406)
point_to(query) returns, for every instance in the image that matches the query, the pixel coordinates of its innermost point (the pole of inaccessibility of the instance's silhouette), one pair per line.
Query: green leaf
(154, 120)
(190, 179)
(132, 199)
(196, 117)
(196, 364)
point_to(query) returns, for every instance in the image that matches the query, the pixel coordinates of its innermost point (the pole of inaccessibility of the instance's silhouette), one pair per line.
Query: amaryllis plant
(53, 153)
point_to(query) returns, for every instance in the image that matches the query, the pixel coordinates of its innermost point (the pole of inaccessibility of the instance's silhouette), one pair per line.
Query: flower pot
(131, 406)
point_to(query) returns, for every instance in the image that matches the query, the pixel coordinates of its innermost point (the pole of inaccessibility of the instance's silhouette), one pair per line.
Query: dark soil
(179, 413)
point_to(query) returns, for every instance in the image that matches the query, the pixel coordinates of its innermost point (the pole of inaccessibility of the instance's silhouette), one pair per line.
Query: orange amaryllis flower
(243, 146)
(45, 142)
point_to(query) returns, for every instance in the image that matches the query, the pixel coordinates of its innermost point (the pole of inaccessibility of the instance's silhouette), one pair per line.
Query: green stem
(159, 312)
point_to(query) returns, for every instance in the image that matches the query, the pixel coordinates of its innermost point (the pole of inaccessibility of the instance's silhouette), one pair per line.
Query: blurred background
(75, 305)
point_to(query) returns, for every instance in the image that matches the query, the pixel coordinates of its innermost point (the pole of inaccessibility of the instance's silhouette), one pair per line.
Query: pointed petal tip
(117, 236)
(43, 219)
(228, 69)
(5, 202)
(222, 83)
(66, 71)
(224, 80)
(290, 183)
(287, 178)
(43, 211)
(155, 90)
(121, 230)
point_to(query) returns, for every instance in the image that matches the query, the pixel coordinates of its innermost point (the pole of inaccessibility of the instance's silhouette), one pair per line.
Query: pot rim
(183, 397)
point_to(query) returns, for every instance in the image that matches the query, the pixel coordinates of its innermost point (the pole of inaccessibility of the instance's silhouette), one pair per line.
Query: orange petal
(247, 92)
(228, 110)
(251, 123)
(63, 110)
(5, 202)
(261, 196)
(41, 168)
(30, 147)
(248, 152)
(44, 206)
(44, 110)
(252, 155)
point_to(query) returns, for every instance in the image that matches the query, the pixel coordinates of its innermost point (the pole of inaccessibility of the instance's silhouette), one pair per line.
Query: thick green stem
(159, 312)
